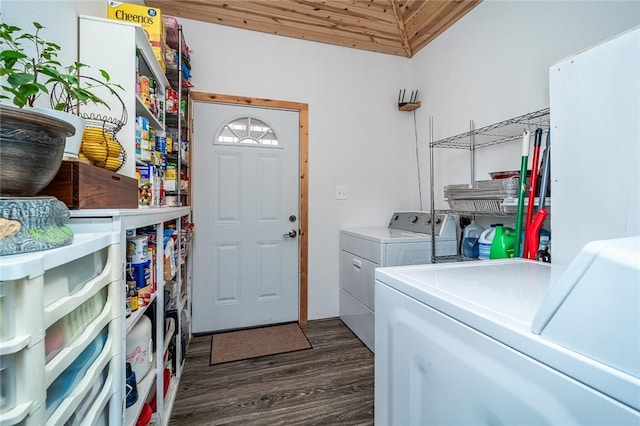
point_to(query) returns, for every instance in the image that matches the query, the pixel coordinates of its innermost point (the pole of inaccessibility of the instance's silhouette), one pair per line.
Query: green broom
(524, 162)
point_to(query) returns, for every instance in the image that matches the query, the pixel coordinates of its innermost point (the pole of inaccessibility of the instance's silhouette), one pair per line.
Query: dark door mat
(255, 342)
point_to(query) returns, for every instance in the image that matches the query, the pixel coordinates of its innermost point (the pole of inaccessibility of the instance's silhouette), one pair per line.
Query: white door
(245, 207)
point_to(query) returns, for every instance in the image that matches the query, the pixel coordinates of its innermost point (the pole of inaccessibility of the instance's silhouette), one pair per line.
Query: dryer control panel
(418, 221)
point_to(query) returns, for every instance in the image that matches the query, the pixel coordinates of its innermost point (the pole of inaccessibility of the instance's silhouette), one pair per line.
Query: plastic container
(484, 242)
(503, 244)
(545, 239)
(139, 347)
(145, 415)
(470, 240)
(131, 387)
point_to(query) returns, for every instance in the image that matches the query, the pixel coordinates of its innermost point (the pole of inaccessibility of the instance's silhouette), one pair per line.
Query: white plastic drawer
(87, 400)
(101, 420)
(28, 283)
(23, 390)
(70, 352)
(21, 314)
(357, 277)
(7, 383)
(86, 403)
(33, 417)
(7, 314)
(67, 329)
(79, 379)
(101, 266)
(101, 402)
(30, 265)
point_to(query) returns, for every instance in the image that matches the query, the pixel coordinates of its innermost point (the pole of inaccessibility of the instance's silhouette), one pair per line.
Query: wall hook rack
(413, 102)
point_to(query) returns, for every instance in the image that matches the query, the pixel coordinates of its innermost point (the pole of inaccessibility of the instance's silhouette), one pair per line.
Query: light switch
(341, 192)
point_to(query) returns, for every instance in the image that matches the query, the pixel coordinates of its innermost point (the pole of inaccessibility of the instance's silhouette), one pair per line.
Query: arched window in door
(248, 131)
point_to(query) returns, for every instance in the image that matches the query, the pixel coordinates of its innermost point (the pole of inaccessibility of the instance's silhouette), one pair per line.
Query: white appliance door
(245, 204)
(433, 370)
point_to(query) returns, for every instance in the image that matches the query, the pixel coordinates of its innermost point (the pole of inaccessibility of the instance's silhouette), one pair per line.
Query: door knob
(290, 234)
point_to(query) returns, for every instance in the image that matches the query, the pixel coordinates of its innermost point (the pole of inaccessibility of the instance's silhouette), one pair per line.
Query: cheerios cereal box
(149, 18)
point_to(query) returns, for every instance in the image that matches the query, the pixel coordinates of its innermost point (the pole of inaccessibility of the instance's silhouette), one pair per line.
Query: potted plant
(32, 141)
(30, 66)
(31, 144)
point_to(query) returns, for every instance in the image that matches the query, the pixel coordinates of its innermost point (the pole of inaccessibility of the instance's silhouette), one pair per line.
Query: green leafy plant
(72, 89)
(29, 65)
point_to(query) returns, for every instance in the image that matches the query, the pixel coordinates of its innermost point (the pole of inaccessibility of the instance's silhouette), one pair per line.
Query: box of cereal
(149, 18)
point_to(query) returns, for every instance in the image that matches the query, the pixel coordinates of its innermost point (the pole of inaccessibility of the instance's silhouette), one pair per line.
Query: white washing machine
(406, 241)
(512, 342)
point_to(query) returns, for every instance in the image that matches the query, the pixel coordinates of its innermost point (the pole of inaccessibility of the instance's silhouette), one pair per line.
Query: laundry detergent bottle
(484, 242)
(470, 240)
(503, 244)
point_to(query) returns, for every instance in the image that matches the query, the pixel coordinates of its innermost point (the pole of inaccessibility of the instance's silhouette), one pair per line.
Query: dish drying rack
(485, 196)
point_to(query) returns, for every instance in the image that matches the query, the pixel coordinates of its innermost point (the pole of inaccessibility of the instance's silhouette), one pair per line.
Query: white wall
(357, 136)
(493, 64)
(60, 19)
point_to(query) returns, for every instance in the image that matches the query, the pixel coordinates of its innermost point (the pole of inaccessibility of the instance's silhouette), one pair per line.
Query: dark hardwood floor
(331, 384)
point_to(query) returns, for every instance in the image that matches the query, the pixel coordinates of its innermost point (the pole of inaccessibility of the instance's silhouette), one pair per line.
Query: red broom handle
(528, 251)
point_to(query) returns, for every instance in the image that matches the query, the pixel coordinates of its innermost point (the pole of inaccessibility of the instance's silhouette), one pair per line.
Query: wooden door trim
(303, 202)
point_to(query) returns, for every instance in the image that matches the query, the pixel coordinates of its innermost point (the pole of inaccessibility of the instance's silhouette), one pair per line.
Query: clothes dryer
(406, 241)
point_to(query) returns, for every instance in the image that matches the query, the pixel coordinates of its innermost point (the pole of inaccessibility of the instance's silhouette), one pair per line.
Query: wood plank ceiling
(395, 27)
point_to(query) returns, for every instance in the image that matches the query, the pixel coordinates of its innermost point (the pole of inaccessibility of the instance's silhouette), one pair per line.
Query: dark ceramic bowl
(31, 149)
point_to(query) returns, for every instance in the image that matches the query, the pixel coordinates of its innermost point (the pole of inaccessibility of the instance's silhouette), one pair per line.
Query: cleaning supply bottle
(545, 239)
(484, 242)
(470, 240)
(503, 244)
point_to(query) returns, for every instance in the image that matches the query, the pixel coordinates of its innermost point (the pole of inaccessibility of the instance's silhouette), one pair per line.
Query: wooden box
(84, 186)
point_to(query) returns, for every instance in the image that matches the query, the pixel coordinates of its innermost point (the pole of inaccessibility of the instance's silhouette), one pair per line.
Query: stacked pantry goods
(161, 141)
(178, 63)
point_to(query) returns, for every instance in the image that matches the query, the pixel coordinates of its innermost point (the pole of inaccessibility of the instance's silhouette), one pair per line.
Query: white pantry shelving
(112, 45)
(167, 327)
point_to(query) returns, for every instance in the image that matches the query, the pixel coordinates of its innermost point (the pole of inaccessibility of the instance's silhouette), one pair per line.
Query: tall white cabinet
(595, 116)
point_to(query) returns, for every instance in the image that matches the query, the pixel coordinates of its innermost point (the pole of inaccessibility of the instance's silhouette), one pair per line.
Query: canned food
(137, 249)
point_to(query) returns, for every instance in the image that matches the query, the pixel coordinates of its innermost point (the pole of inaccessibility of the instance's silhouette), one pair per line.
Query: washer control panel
(420, 222)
